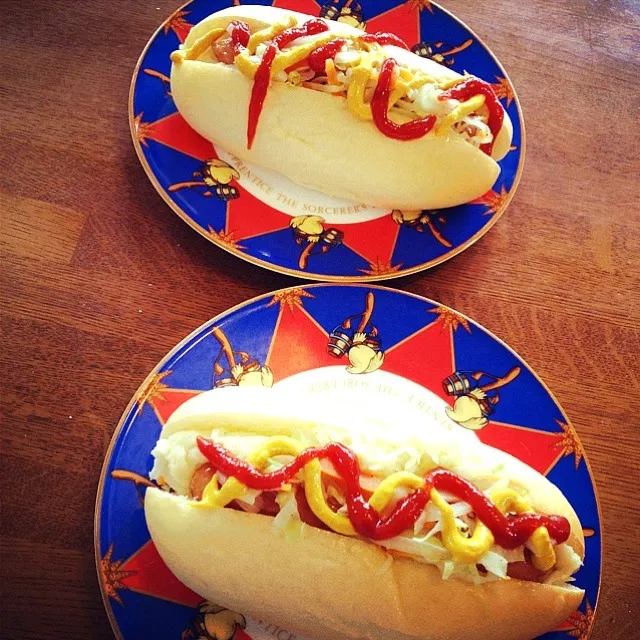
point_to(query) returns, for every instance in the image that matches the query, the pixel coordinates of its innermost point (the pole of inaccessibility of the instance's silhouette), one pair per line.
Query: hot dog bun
(325, 585)
(312, 138)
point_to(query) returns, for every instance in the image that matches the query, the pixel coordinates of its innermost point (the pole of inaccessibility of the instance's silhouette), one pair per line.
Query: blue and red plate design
(260, 216)
(419, 357)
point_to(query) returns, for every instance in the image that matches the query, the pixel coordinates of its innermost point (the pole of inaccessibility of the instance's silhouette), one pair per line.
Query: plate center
(387, 401)
(282, 194)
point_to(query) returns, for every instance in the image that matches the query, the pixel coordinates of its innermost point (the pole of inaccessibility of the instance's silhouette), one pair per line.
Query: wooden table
(91, 304)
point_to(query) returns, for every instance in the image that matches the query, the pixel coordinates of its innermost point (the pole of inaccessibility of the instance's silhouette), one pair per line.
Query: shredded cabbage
(511, 555)
(433, 514)
(494, 563)
(438, 527)
(474, 130)
(347, 58)
(420, 522)
(176, 459)
(287, 522)
(249, 498)
(567, 563)
(464, 572)
(426, 101)
(419, 548)
(447, 569)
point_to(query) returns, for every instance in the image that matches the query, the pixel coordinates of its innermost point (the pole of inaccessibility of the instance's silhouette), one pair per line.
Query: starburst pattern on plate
(176, 22)
(419, 5)
(451, 319)
(291, 298)
(143, 129)
(494, 201)
(504, 90)
(380, 268)
(112, 575)
(569, 442)
(582, 623)
(153, 390)
(223, 237)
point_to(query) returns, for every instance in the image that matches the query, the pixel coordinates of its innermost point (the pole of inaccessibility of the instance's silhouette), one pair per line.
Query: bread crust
(328, 586)
(312, 137)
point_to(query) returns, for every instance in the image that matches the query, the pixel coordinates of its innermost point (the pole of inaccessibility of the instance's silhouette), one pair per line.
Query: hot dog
(280, 511)
(355, 115)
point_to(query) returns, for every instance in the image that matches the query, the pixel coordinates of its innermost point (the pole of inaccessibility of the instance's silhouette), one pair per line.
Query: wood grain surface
(100, 279)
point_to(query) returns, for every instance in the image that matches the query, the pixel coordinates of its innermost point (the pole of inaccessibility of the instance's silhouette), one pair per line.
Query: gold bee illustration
(476, 394)
(421, 221)
(440, 52)
(363, 347)
(214, 623)
(215, 176)
(247, 372)
(310, 233)
(346, 11)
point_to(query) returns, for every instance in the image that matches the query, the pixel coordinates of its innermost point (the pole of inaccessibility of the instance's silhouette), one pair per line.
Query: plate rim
(116, 434)
(315, 277)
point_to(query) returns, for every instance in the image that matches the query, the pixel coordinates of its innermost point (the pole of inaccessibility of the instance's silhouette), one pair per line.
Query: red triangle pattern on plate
(247, 217)
(537, 448)
(403, 20)
(297, 333)
(164, 405)
(426, 357)
(374, 240)
(174, 132)
(303, 6)
(152, 577)
(178, 22)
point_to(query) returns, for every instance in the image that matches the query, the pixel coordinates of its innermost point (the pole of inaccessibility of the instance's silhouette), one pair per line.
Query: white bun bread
(313, 139)
(325, 585)
(328, 586)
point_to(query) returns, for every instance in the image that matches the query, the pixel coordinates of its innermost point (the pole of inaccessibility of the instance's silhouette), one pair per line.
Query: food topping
(269, 33)
(384, 38)
(198, 47)
(259, 92)
(329, 51)
(472, 87)
(310, 28)
(240, 35)
(396, 504)
(404, 103)
(381, 102)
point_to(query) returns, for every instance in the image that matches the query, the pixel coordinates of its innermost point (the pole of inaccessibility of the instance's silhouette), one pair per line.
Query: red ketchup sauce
(509, 532)
(383, 38)
(309, 28)
(380, 106)
(263, 74)
(259, 92)
(324, 52)
(472, 87)
(240, 35)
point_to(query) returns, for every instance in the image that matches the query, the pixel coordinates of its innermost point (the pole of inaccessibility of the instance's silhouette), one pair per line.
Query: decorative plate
(264, 218)
(412, 355)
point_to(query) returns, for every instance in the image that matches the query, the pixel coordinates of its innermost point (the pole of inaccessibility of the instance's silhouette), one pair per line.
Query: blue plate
(257, 215)
(419, 357)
